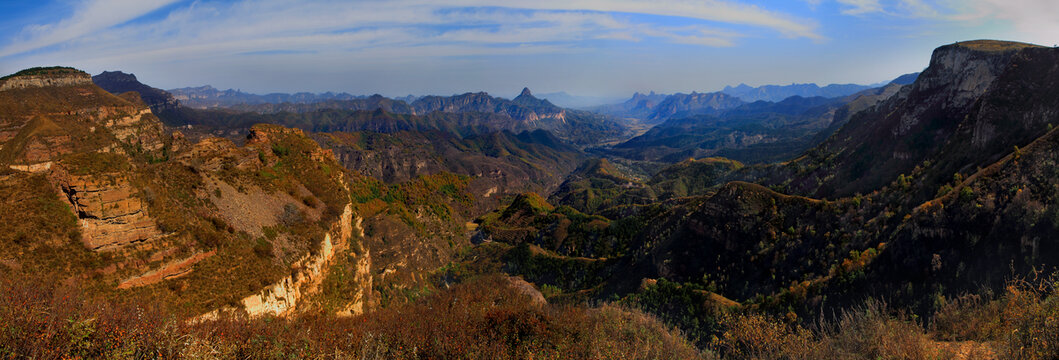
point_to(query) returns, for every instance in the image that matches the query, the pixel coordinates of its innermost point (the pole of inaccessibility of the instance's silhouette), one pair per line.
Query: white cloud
(91, 16)
(899, 8)
(710, 10)
(917, 8)
(860, 7)
(1033, 20)
(206, 36)
(266, 23)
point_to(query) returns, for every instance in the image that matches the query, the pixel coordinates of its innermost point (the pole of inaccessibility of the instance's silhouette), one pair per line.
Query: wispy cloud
(860, 7)
(1038, 20)
(99, 27)
(90, 17)
(898, 8)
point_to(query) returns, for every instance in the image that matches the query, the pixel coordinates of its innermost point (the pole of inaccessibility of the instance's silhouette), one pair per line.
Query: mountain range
(911, 220)
(656, 108)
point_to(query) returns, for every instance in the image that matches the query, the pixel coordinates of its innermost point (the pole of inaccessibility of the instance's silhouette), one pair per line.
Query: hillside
(965, 111)
(119, 226)
(153, 216)
(756, 132)
(500, 163)
(117, 82)
(684, 105)
(911, 221)
(916, 239)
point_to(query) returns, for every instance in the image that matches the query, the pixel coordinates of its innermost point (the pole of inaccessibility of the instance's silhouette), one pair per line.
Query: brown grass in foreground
(482, 319)
(1021, 323)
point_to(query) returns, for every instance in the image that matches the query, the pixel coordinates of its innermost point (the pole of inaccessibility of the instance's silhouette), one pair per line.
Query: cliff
(976, 100)
(44, 77)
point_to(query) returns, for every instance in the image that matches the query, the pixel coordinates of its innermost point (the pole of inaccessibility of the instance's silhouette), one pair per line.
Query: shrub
(263, 248)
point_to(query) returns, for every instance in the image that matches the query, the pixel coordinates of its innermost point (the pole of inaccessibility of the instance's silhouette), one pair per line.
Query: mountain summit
(117, 82)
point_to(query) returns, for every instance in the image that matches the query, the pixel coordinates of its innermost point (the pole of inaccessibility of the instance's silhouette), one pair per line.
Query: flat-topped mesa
(993, 45)
(964, 70)
(45, 77)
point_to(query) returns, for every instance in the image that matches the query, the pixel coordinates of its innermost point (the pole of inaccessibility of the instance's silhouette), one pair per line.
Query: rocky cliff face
(958, 74)
(57, 122)
(282, 297)
(32, 81)
(975, 101)
(110, 212)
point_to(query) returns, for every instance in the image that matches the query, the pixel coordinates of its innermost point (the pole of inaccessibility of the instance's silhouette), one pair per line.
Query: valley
(913, 218)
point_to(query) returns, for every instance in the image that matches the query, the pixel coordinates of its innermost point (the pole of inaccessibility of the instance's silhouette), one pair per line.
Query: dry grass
(482, 319)
(869, 332)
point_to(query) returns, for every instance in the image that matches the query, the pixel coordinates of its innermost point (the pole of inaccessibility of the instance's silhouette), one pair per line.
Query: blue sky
(584, 47)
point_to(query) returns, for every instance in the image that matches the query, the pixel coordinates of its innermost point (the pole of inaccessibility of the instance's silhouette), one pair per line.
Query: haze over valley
(576, 179)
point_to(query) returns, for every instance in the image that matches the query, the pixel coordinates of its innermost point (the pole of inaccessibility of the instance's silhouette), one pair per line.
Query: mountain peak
(115, 76)
(525, 92)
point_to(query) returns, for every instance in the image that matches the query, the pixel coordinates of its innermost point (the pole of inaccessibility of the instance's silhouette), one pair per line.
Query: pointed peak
(525, 92)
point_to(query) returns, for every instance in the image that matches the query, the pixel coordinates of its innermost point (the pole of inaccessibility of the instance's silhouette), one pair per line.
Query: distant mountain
(576, 101)
(757, 132)
(682, 105)
(117, 82)
(655, 108)
(478, 111)
(775, 93)
(360, 103)
(639, 106)
(524, 108)
(205, 97)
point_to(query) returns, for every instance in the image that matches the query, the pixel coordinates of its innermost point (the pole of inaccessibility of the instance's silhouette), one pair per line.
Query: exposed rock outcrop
(282, 297)
(362, 276)
(31, 81)
(975, 101)
(172, 270)
(110, 213)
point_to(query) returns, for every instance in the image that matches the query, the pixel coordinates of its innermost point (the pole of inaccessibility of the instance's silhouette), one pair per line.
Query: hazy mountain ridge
(645, 107)
(756, 132)
(117, 82)
(205, 97)
(682, 105)
(465, 114)
(775, 93)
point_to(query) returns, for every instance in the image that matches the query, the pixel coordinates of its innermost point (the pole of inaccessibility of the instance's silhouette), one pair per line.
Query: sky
(583, 47)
